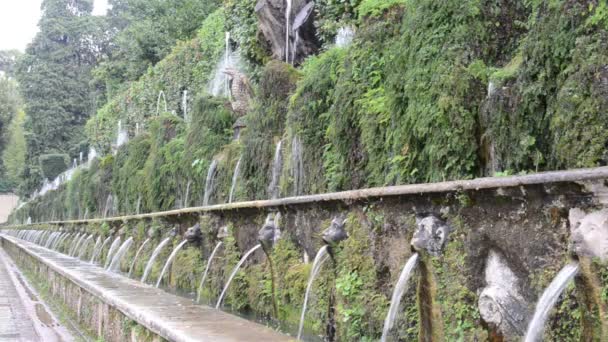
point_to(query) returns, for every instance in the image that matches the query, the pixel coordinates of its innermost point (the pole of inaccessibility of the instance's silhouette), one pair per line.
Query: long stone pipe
(577, 175)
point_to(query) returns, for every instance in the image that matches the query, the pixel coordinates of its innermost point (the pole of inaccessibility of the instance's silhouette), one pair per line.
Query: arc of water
(73, 243)
(547, 301)
(97, 252)
(320, 258)
(153, 258)
(83, 249)
(95, 247)
(110, 255)
(398, 292)
(141, 248)
(200, 286)
(170, 261)
(79, 244)
(236, 269)
(115, 264)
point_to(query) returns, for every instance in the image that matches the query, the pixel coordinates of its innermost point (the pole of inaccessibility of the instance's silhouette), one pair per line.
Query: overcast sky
(19, 21)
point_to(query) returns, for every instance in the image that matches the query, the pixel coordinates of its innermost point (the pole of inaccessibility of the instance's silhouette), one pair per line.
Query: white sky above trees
(19, 21)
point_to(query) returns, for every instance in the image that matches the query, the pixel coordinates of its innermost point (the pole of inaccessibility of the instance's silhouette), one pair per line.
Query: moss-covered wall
(527, 225)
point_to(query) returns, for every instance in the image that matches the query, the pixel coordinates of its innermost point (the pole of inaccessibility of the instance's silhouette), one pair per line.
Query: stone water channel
(464, 260)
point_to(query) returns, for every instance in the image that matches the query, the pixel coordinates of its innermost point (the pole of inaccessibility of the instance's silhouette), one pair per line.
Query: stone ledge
(169, 316)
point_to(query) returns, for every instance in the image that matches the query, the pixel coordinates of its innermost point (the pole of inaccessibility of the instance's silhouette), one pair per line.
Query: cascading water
(122, 136)
(109, 206)
(398, 292)
(297, 166)
(187, 195)
(161, 94)
(236, 269)
(170, 261)
(139, 250)
(79, 244)
(235, 178)
(113, 248)
(153, 258)
(219, 85)
(185, 105)
(138, 205)
(200, 286)
(344, 36)
(287, 28)
(73, 243)
(115, 264)
(97, 252)
(547, 301)
(92, 155)
(320, 258)
(277, 165)
(209, 182)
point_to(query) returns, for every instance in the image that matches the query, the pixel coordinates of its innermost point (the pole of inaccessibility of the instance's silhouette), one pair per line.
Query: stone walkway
(15, 323)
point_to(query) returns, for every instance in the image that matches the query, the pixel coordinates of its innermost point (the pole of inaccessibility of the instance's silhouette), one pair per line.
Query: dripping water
(235, 177)
(277, 164)
(209, 182)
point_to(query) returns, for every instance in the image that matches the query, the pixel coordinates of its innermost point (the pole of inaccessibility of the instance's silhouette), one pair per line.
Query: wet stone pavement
(23, 316)
(15, 323)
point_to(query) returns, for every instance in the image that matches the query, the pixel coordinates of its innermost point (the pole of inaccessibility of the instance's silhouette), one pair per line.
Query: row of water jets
(77, 244)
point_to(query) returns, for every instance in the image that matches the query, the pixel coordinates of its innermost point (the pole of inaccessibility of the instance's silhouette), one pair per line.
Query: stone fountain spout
(270, 232)
(336, 232)
(589, 233)
(431, 234)
(194, 235)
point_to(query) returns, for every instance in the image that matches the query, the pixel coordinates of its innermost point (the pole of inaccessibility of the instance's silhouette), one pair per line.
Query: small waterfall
(235, 178)
(81, 157)
(115, 264)
(297, 167)
(28, 221)
(398, 292)
(209, 182)
(345, 36)
(219, 85)
(170, 261)
(287, 28)
(109, 206)
(161, 94)
(141, 248)
(200, 286)
(187, 195)
(185, 106)
(97, 252)
(320, 258)
(92, 155)
(138, 205)
(83, 249)
(113, 248)
(236, 269)
(153, 258)
(123, 135)
(277, 165)
(547, 301)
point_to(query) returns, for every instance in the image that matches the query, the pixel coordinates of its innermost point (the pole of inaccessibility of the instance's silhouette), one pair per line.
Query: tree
(54, 77)
(13, 156)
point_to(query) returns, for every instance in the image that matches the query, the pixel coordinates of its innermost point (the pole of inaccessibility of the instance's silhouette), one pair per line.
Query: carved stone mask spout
(336, 232)
(223, 233)
(269, 233)
(173, 232)
(431, 234)
(589, 233)
(194, 234)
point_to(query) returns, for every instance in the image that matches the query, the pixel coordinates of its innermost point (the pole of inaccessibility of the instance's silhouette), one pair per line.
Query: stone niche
(291, 41)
